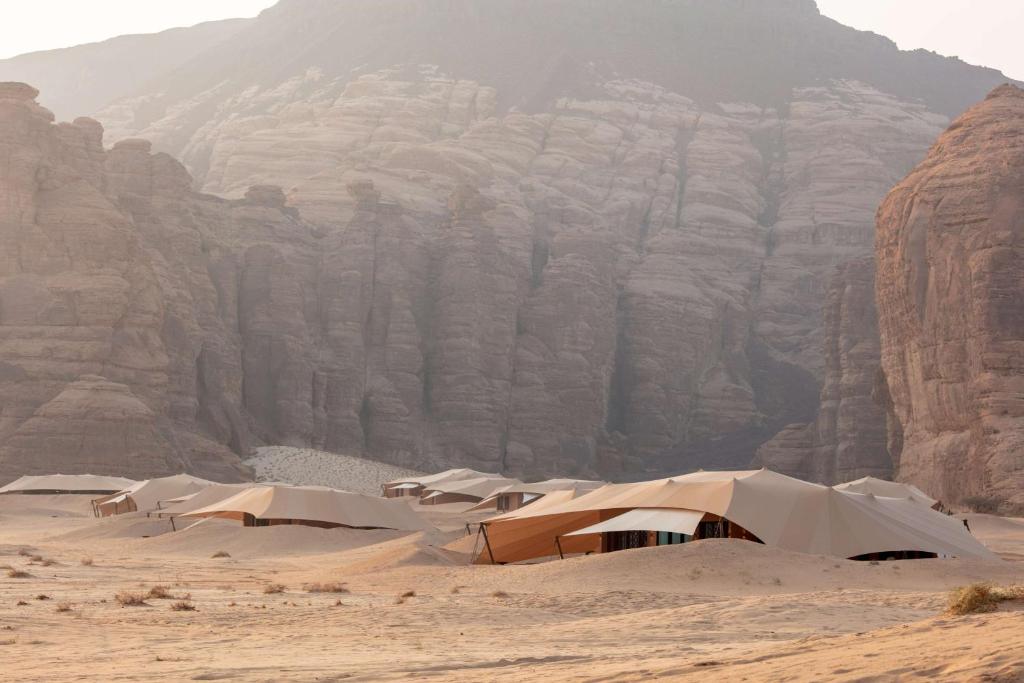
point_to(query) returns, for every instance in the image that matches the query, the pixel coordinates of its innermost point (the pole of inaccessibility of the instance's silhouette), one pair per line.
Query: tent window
(672, 538)
(625, 540)
(714, 529)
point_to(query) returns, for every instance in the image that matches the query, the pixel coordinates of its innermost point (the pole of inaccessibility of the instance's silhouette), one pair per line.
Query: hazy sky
(985, 32)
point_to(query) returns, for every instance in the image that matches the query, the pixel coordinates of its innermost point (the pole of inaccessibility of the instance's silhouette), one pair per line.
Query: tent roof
(446, 476)
(647, 519)
(87, 483)
(889, 489)
(316, 505)
(205, 496)
(147, 494)
(481, 487)
(780, 510)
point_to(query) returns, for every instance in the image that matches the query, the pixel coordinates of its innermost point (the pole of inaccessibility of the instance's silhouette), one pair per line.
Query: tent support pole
(558, 542)
(487, 541)
(173, 528)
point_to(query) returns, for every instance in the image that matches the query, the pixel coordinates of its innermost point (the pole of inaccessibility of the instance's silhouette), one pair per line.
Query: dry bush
(86, 561)
(13, 573)
(21, 603)
(23, 552)
(455, 590)
(42, 596)
(409, 594)
(332, 587)
(981, 597)
(272, 588)
(499, 594)
(160, 593)
(232, 604)
(63, 607)
(183, 606)
(221, 553)
(338, 603)
(9, 641)
(126, 599)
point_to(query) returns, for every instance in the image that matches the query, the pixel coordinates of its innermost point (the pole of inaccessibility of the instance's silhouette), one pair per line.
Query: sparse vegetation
(126, 599)
(409, 594)
(272, 588)
(332, 587)
(20, 603)
(160, 593)
(183, 606)
(981, 597)
(63, 607)
(499, 594)
(42, 596)
(338, 603)
(221, 553)
(23, 552)
(13, 573)
(455, 590)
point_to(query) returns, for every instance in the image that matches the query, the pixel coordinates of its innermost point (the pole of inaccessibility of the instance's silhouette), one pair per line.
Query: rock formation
(544, 238)
(848, 440)
(950, 252)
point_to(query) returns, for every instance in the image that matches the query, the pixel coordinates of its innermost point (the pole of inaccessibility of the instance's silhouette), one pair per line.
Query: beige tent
(464, 490)
(414, 486)
(146, 495)
(202, 498)
(67, 483)
(889, 489)
(312, 506)
(755, 505)
(515, 496)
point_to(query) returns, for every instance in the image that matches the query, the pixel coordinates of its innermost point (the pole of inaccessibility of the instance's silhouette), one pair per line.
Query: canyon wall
(950, 253)
(547, 238)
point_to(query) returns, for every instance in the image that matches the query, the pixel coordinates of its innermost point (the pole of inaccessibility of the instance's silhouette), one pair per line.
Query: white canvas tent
(415, 485)
(145, 496)
(515, 496)
(464, 490)
(67, 483)
(757, 505)
(202, 498)
(312, 506)
(889, 489)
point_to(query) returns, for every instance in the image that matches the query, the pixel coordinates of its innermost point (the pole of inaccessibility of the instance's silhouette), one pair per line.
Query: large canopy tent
(147, 495)
(757, 505)
(414, 486)
(312, 506)
(515, 496)
(464, 490)
(889, 489)
(67, 483)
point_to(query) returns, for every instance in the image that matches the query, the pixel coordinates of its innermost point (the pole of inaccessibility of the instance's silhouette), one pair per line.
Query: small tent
(414, 486)
(465, 490)
(312, 506)
(67, 483)
(515, 496)
(145, 496)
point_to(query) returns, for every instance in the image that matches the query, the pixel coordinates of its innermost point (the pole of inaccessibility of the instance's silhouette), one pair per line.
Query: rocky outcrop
(611, 257)
(950, 252)
(848, 440)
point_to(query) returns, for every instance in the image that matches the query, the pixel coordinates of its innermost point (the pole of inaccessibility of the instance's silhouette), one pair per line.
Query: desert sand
(731, 610)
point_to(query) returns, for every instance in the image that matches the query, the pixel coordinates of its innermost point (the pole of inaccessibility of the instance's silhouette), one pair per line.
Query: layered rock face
(610, 257)
(950, 252)
(848, 440)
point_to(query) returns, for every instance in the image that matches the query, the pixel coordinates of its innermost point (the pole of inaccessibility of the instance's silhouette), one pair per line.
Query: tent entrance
(895, 555)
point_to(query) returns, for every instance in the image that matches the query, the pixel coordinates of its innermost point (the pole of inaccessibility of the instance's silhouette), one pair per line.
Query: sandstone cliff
(527, 242)
(950, 252)
(848, 440)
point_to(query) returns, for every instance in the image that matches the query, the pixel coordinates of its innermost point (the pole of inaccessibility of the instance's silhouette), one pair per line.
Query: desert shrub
(159, 593)
(23, 552)
(42, 596)
(409, 594)
(21, 603)
(981, 597)
(183, 606)
(63, 607)
(13, 573)
(272, 588)
(455, 590)
(499, 594)
(338, 603)
(126, 599)
(221, 553)
(982, 504)
(332, 587)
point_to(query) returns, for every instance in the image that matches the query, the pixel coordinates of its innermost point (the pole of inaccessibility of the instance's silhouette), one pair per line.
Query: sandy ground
(713, 610)
(308, 467)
